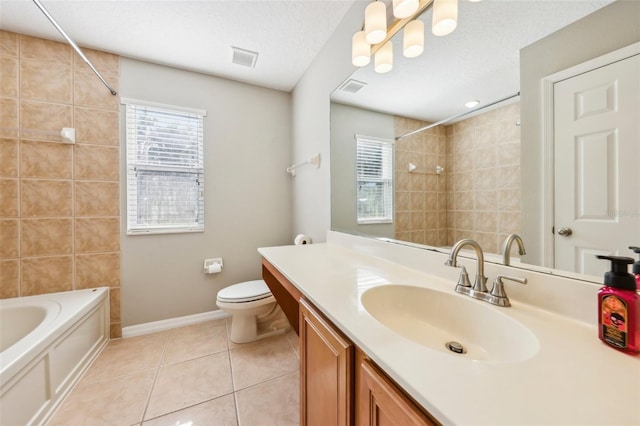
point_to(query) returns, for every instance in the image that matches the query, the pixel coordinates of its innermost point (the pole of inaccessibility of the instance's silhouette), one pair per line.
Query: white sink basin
(433, 318)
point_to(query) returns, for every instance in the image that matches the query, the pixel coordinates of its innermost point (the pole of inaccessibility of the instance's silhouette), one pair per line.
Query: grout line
(155, 379)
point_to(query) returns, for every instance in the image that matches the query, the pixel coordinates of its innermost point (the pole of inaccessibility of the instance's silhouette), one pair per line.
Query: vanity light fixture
(360, 50)
(472, 104)
(384, 58)
(413, 41)
(376, 36)
(375, 22)
(445, 17)
(404, 8)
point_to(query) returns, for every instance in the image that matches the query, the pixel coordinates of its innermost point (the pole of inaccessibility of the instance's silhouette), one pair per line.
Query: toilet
(255, 314)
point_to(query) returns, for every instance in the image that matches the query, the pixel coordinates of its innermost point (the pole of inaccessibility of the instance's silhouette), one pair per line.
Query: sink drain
(455, 347)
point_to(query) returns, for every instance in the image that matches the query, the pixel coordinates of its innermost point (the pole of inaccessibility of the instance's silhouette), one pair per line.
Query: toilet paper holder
(213, 265)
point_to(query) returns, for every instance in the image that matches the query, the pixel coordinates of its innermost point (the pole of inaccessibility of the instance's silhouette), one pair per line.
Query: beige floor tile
(276, 402)
(113, 402)
(195, 341)
(190, 382)
(127, 356)
(217, 412)
(261, 361)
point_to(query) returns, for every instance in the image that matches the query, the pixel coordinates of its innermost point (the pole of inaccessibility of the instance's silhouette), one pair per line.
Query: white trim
(373, 139)
(547, 133)
(167, 324)
(129, 101)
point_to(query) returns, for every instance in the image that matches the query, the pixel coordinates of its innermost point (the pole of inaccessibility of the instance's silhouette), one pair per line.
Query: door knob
(565, 232)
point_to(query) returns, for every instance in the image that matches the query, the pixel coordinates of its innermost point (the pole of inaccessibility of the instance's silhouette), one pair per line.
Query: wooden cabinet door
(379, 402)
(326, 371)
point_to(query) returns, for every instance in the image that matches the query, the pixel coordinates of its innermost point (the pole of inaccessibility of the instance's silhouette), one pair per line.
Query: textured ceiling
(193, 35)
(479, 60)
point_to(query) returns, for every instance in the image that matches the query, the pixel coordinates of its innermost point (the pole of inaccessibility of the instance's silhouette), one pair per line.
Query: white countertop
(573, 378)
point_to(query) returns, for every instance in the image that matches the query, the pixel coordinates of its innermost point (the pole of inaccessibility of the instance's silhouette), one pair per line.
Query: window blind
(165, 169)
(374, 162)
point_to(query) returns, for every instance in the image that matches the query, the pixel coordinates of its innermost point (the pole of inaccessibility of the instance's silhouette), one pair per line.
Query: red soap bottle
(619, 307)
(635, 269)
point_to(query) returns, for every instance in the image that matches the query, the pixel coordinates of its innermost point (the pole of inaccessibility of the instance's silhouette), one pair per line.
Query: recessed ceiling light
(472, 104)
(244, 57)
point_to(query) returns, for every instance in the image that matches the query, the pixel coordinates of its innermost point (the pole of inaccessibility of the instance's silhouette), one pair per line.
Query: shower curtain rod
(75, 46)
(462, 114)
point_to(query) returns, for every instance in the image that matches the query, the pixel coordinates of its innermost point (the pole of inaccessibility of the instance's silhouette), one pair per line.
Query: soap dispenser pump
(619, 307)
(635, 269)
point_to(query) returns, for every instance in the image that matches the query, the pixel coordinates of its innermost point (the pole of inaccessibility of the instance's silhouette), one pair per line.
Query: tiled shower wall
(59, 203)
(477, 197)
(420, 197)
(484, 177)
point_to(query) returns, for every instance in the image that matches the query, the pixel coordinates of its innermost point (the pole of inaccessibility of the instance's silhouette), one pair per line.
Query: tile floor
(192, 376)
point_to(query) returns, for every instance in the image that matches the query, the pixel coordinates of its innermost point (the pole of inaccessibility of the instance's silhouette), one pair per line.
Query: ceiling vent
(352, 86)
(244, 57)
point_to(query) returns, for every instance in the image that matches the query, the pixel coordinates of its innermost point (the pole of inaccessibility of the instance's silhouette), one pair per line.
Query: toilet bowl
(255, 314)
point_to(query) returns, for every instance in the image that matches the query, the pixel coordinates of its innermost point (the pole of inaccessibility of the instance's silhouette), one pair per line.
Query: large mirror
(493, 170)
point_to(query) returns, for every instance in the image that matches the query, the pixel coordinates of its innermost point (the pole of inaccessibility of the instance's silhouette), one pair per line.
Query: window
(374, 161)
(165, 168)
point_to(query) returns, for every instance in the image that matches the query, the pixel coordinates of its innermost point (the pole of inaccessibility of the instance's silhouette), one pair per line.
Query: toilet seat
(249, 291)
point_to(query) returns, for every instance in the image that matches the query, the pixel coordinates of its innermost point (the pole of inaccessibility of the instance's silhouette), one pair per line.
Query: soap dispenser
(619, 307)
(635, 269)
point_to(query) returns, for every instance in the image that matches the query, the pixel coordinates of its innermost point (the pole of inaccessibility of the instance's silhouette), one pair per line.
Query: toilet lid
(244, 292)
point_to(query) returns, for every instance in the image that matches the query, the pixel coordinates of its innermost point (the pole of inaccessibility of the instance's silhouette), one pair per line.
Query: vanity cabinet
(326, 371)
(339, 384)
(379, 402)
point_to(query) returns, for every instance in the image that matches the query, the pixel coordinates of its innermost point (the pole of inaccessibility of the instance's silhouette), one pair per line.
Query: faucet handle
(498, 296)
(464, 284)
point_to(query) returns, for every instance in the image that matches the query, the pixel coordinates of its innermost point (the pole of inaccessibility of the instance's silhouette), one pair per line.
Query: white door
(597, 166)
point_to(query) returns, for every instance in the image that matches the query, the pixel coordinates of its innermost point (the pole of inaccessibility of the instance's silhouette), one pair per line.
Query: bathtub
(46, 343)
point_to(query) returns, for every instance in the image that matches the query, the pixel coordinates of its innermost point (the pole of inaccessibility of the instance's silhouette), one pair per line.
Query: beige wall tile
(9, 278)
(97, 235)
(8, 77)
(9, 238)
(115, 330)
(8, 118)
(107, 63)
(463, 220)
(46, 160)
(42, 275)
(509, 200)
(8, 158)
(95, 126)
(8, 44)
(417, 201)
(45, 198)
(39, 119)
(417, 221)
(45, 82)
(88, 91)
(39, 49)
(9, 204)
(509, 223)
(488, 241)
(486, 222)
(97, 270)
(114, 303)
(97, 198)
(46, 237)
(97, 163)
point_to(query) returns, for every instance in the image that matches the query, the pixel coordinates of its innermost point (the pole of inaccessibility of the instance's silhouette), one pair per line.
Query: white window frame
(386, 179)
(135, 164)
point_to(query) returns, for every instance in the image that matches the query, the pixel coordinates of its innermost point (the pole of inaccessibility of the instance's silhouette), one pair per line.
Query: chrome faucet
(479, 289)
(498, 296)
(506, 248)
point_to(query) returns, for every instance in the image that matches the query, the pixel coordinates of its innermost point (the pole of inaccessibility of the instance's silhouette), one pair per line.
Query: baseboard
(155, 326)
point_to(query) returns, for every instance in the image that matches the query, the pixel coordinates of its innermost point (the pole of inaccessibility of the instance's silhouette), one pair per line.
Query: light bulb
(445, 17)
(384, 58)
(413, 41)
(404, 8)
(375, 22)
(360, 50)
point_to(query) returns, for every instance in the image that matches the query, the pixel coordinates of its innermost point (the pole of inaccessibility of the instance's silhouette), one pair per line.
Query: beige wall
(59, 203)
(247, 193)
(421, 198)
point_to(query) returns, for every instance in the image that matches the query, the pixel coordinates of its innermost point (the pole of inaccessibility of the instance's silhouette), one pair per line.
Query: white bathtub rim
(13, 359)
